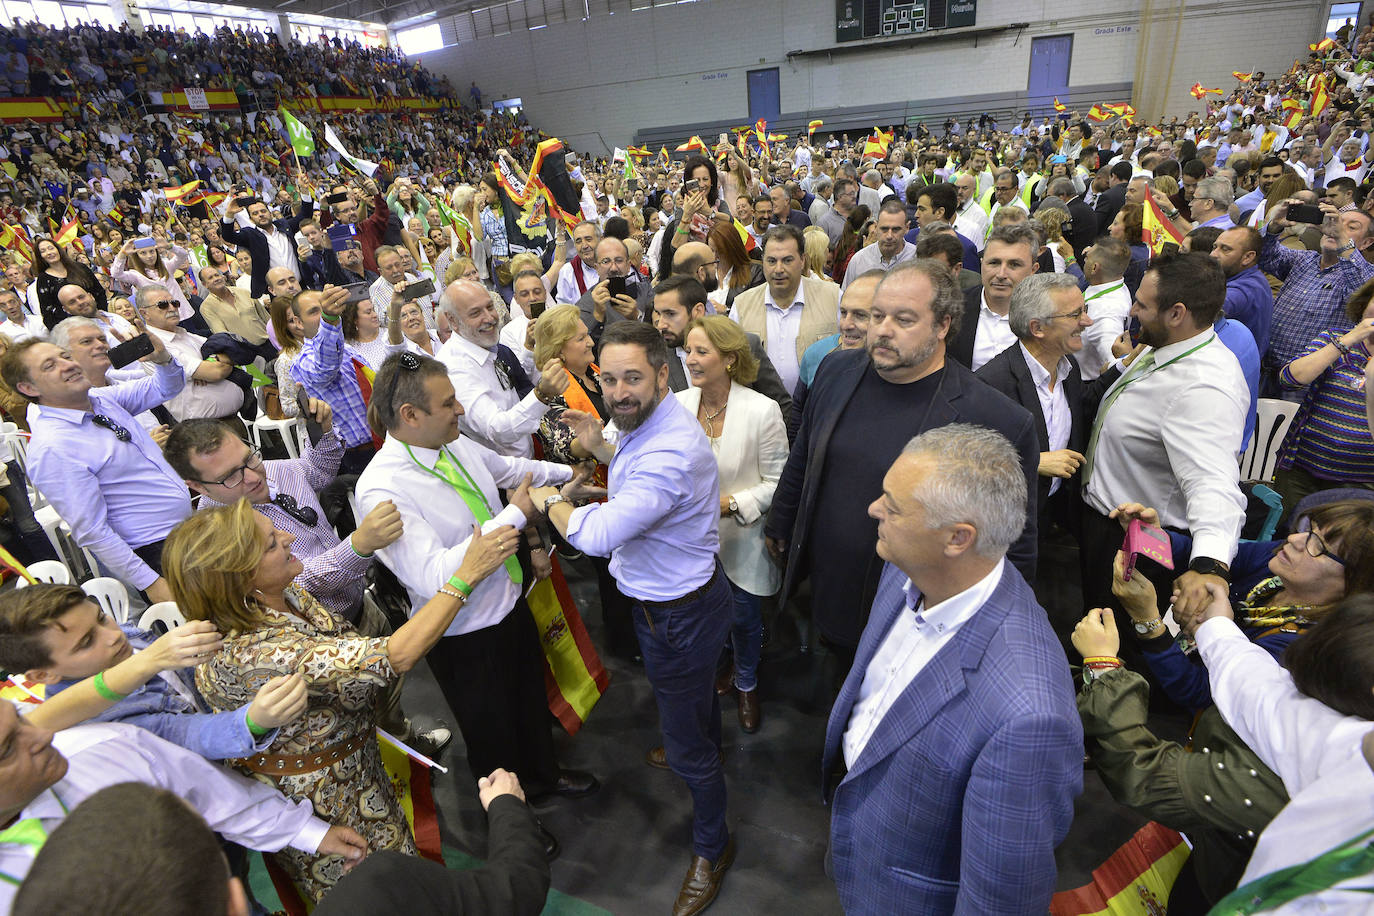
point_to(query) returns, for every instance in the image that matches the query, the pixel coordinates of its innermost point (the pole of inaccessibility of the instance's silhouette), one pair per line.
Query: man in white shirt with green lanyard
(1168, 432)
(1108, 303)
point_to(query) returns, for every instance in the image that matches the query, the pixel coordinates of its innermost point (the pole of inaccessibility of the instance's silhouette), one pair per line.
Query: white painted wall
(594, 82)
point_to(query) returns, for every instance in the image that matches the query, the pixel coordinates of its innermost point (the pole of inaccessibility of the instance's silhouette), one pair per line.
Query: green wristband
(105, 690)
(461, 586)
(257, 730)
(332, 319)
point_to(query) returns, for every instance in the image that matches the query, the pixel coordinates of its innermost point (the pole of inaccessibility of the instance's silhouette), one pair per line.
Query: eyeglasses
(235, 477)
(1075, 315)
(163, 306)
(1317, 548)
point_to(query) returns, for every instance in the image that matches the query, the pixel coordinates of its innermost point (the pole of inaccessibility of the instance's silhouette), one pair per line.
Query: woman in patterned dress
(231, 566)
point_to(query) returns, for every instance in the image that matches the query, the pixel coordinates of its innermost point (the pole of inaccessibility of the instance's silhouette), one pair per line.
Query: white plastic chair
(47, 571)
(1274, 416)
(291, 430)
(164, 612)
(111, 595)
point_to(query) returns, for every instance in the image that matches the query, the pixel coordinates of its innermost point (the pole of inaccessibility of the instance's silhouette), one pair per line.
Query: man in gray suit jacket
(599, 308)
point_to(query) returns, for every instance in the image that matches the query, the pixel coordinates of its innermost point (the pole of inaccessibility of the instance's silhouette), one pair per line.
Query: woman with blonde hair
(749, 439)
(230, 566)
(817, 245)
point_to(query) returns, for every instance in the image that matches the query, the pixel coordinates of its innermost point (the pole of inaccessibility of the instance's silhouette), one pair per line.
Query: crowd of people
(875, 381)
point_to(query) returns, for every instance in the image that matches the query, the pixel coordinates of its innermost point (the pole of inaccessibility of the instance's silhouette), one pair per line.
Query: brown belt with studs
(294, 764)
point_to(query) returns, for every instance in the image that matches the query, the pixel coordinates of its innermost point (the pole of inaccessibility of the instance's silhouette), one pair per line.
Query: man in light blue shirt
(96, 464)
(660, 528)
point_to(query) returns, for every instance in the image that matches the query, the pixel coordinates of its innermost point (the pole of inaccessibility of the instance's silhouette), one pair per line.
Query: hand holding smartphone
(313, 430)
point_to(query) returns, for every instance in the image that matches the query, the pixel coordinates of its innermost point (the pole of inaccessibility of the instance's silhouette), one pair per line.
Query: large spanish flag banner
(1135, 881)
(1158, 230)
(574, 676)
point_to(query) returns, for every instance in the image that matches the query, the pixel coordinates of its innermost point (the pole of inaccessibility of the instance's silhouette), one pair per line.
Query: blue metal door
(1049, 73)
(765, 101)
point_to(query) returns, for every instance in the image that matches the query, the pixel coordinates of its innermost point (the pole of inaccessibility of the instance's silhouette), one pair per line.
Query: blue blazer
(957, 802)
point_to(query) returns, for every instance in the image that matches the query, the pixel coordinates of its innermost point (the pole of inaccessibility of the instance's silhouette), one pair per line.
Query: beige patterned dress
(345, 675)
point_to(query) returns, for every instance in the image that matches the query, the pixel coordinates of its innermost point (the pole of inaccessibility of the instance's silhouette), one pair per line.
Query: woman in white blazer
(749, 440)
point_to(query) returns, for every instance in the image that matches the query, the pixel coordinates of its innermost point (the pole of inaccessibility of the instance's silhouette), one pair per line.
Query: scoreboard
(856, 20)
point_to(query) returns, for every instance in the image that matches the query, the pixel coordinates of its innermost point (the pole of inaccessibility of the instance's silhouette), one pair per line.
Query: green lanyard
(475, 500)
(27, 832)
(1159, 368)
(466, 476)
(1351, 859)
(1103, 292)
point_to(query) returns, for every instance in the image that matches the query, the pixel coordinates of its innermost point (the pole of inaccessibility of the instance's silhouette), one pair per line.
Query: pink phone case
(1144, 540)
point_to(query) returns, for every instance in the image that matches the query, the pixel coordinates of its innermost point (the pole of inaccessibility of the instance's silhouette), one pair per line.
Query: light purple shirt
(660, 525)
(114, 495)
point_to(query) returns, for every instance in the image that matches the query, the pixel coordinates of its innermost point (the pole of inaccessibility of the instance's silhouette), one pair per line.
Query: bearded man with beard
(863, 407)
(660, 529)
(1167, 435)
(683, 297)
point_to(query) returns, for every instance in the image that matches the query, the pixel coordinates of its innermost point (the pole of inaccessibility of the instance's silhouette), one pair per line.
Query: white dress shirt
(513, 336)
(783, 327)
(98, 756)
(1171, 439)
(994, 334)
(914, 639)
(1315, 750)
(438, 523)
(1054, 404)
(1109, 306)
(972, 223)
(198, 400)
(117, 330)
(281, 249)
(32, 326)
(493, 413)
(870, 257)
(566, 289)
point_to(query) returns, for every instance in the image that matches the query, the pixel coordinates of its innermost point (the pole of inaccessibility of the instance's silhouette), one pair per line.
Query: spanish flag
(175, 195)
(812, 127)
(1243, 77)
(1198, 91)
(761, 134)
(1158, 231)
(68, 233)
(574, 677)
(1291, 113)
(638, 152)
(1059, 106)
(663, 155)
(1319, 98)
(1137, 879)
(1099, 113)
(694, 145)
(1326, 44)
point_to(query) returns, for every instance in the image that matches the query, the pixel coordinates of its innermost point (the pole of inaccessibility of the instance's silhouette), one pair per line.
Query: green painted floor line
(558, 903)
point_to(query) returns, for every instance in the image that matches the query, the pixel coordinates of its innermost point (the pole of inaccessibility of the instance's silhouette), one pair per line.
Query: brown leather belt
(294, 764)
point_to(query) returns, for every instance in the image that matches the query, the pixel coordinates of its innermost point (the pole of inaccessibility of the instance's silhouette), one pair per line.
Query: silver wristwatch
(1145, 629)
(734, 506)
(554, 500)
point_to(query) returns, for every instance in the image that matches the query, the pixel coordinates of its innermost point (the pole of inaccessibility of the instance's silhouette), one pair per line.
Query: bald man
(282, 282)
(79, 303)
(501, 408)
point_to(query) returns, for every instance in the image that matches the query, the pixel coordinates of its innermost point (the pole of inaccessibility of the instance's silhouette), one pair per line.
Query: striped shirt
(1330, 436)
(494, 228)
(325, 369)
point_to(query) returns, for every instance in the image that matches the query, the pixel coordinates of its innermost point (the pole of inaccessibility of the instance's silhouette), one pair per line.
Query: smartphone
(341, 236)
(130, 350)
(1144, 540)
(145, 243)
(616, 285)
(1305, 213)
(723, 138)
(691, 185)
(313, 430)
(357, 292)
(244, 201)
(333, 199)
(417, 289)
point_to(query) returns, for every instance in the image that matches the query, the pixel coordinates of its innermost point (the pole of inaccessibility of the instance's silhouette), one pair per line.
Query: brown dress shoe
(750, 713)
(702, 883)
(725, 682)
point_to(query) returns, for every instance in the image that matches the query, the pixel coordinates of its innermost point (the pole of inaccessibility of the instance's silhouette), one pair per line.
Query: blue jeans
(681, 646)
(746, 638)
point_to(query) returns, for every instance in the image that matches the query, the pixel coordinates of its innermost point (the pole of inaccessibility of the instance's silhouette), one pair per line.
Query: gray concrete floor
(626, 848)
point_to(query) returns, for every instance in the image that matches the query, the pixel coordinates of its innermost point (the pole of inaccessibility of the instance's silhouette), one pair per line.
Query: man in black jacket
(271, 243)
(1112, 199)
(1082, 230)
(863, 407)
